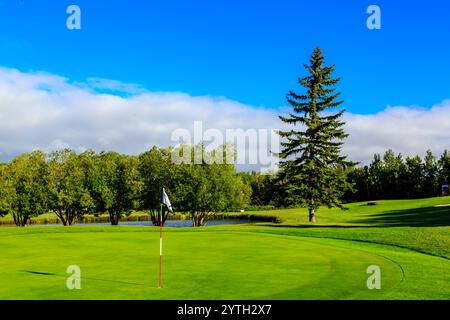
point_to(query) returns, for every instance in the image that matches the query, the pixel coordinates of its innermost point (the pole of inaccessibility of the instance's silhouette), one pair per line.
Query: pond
(169, 223)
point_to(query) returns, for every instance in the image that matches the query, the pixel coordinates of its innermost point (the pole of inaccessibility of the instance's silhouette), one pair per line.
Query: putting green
(122, 263)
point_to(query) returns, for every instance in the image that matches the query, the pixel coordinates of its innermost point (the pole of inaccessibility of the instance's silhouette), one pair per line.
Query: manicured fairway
(236, 262)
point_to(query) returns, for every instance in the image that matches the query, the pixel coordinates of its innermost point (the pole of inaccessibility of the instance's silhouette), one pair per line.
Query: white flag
(165, 200)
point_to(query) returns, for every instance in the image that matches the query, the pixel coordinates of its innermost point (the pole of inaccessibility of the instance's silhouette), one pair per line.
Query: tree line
(388, 176)
(392, 176)
(72, 185)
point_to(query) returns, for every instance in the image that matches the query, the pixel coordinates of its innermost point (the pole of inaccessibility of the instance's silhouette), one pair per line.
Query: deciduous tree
(69, 194)
(118, 185)
(23, 191)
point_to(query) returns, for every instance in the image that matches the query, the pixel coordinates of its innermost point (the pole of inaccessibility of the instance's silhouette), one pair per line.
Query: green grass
(409, 240)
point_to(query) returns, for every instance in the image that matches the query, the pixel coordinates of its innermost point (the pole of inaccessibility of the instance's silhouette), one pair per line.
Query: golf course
(409, 240)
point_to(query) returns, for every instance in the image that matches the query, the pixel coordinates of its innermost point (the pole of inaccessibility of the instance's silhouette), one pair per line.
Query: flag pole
(164, 200)
(160, 245)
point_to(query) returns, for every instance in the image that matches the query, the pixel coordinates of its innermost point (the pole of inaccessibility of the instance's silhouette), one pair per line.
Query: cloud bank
(406, 130)
(48, 112)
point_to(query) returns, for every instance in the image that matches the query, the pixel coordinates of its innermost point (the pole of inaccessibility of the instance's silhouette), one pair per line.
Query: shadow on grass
(316, 226)
(95, 279)
(419, 217)
(40, 273)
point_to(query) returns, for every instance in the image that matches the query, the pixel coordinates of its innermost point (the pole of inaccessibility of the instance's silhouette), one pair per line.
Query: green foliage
(444, 168)
(23, 192)
(5, 191)
(268, 190)
(69, 196)
(156, 171)
(203, 189)
(392, 177)
(117, 186)
(72, 185)
(313, 165)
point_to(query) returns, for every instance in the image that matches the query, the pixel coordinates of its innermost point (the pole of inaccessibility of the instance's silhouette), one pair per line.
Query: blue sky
(248, 51)
(140, 71)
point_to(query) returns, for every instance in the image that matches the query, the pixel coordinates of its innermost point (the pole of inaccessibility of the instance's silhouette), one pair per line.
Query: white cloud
(45, 111)
(407, 130)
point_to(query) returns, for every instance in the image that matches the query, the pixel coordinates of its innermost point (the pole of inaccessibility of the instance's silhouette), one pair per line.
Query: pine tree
(444, 167)
(311, 154)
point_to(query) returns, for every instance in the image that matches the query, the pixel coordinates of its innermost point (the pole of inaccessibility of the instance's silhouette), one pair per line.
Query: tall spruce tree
(311, 154)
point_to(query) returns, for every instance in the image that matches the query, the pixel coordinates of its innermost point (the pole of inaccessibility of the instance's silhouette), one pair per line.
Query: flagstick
(160, 246)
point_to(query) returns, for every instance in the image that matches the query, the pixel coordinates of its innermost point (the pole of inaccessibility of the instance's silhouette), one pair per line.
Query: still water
(169, 223)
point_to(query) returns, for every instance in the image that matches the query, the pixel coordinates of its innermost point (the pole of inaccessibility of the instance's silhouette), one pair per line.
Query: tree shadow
(87, 278)
(40, 273)
(315, 226)
(418, 217)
